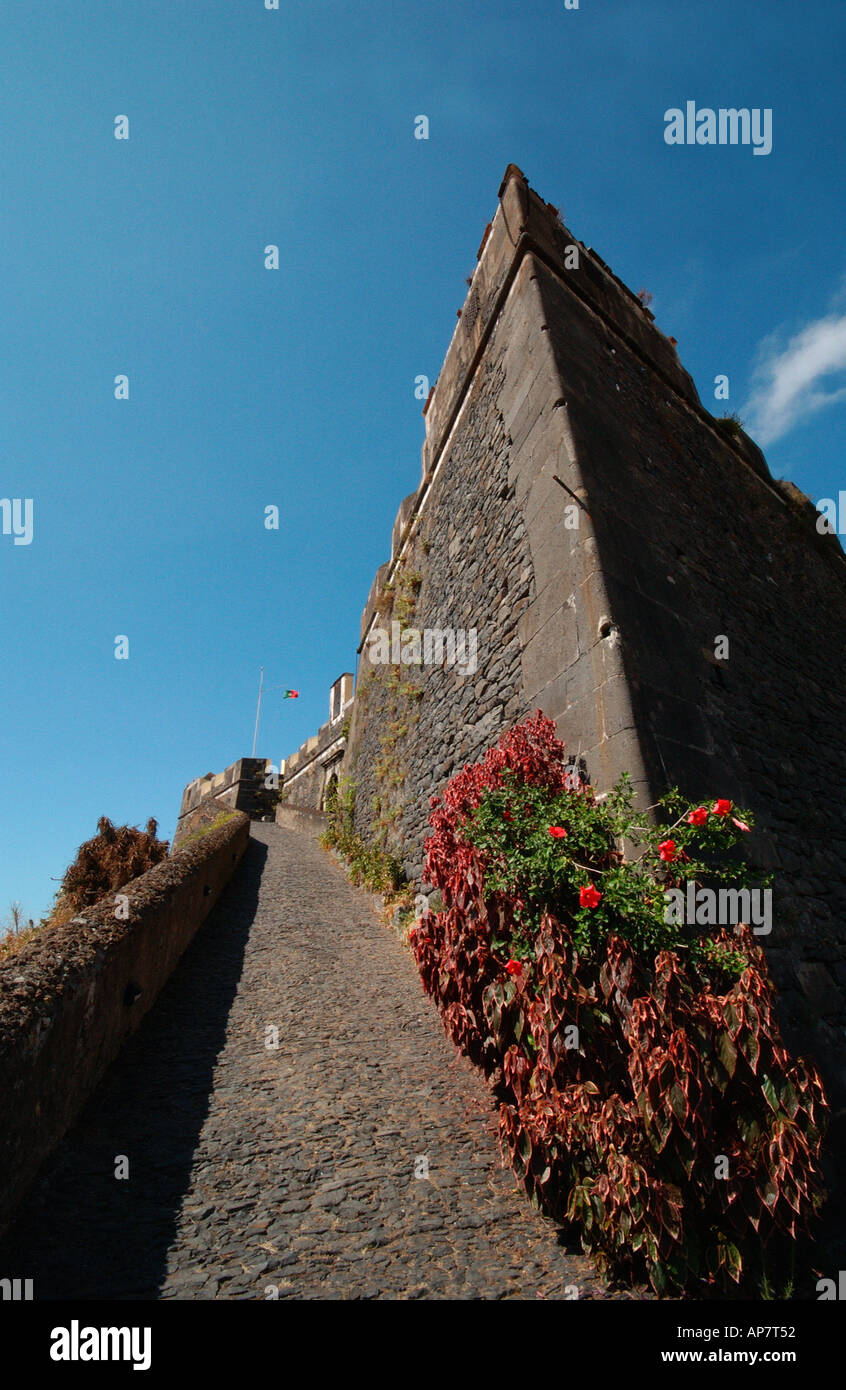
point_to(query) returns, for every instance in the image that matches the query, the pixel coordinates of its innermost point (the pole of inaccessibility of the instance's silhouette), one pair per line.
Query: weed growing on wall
(220, 819)
(370, 866)
(15, 939)
(103, 865)
(731, 425)
(116, 855)
(394, 697)
(646, 1094)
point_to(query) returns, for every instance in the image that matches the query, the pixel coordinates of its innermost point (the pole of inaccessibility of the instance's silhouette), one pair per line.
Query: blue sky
(295, 387)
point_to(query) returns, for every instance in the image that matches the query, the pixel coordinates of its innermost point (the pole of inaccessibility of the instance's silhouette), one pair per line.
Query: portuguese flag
(291, 695)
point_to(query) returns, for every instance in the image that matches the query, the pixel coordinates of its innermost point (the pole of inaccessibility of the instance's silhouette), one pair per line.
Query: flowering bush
(645, 1091)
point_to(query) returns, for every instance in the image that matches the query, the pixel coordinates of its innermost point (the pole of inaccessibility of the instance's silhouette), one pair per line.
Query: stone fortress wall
(597, 530)
(240, 787)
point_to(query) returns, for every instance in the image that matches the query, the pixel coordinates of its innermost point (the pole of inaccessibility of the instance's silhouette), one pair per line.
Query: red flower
(557, 831)
(698, 817)
(667, 850)
(741, 824)
(514, 967)
(506, 815)
(588, 897)
(722, 808)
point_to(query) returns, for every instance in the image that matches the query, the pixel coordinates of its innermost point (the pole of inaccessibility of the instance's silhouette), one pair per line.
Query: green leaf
(734, 1261)
(770, 1093)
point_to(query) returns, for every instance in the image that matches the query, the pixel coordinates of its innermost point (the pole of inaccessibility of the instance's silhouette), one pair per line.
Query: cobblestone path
(257, 1172)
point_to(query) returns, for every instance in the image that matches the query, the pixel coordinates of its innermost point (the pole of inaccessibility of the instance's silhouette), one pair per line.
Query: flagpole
(258, 712)
(270, 690)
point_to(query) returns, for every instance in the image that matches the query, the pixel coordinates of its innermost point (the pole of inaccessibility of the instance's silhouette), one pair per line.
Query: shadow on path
(83, 1233)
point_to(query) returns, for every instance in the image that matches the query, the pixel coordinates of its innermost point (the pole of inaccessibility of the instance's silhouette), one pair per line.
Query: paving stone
(283, 1148)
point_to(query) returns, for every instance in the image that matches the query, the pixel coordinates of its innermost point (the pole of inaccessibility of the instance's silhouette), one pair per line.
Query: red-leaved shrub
(646, 1095)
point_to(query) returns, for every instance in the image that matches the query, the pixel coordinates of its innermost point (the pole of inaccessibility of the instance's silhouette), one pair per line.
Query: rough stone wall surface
(71, 997)
(307, 772)
(498, 537)
(471, 551)
(307, 791)
(310, 772)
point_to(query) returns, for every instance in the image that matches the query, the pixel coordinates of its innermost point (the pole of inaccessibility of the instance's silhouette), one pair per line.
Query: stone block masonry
(600, 530)
(240, 787)
(309, 774)
(413, 726)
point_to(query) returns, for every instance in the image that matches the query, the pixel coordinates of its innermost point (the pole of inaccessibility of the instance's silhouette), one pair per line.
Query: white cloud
(787, 383)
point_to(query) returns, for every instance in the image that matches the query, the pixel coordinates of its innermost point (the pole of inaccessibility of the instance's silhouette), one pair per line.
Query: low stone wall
(297, 818)
(70, 998)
